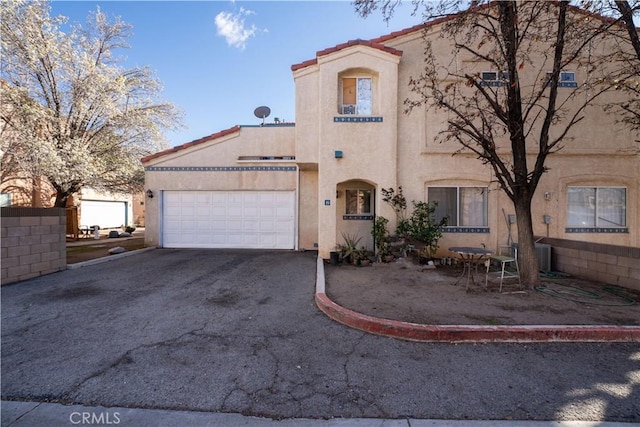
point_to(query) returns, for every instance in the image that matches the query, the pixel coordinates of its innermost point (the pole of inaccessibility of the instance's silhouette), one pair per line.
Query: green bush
(419, 226)
(381, 235)
(423, 228)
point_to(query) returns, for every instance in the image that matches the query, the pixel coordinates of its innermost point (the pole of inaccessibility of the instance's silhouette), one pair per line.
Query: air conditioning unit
(543, 253)
(349, 109)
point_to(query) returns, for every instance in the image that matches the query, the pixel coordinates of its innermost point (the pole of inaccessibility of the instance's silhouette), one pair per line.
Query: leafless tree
(512, 126)
(627, 77)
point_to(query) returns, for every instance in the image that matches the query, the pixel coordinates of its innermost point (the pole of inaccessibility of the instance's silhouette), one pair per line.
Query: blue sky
(219, 60)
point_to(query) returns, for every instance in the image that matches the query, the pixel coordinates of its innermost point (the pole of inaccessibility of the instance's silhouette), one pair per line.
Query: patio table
(470, 257)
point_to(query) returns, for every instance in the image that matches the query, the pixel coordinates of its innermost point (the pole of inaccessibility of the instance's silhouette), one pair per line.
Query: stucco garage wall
(283, 178)
(217, 165)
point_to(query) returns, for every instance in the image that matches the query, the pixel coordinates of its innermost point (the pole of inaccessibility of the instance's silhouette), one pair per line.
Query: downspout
(296, 215)
(375, 215)
(160, 216)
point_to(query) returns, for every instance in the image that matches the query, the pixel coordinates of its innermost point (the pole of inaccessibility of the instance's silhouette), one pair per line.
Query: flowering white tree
(71, 112)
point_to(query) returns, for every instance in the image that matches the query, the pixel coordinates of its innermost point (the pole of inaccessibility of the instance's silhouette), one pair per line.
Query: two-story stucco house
(301, 186)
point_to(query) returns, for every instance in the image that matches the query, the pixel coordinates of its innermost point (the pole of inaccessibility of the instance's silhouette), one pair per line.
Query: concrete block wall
(33, 242)
(610, 264)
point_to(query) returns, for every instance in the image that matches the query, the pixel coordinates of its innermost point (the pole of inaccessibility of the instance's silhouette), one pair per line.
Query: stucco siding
(390, 147)
(307, 115)
(596, 152)
(368, 149)
(308, 211)
(222, 164)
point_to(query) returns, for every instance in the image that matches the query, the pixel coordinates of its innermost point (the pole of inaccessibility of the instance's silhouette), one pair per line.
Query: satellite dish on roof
(262, 112)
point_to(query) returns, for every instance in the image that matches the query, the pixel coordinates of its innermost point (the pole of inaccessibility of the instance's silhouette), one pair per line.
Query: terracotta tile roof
(192, 143)
(403, 32)
(378, 42)
(350, 43)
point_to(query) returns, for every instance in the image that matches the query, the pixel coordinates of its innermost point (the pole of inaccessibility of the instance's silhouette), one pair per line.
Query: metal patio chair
(506, 255)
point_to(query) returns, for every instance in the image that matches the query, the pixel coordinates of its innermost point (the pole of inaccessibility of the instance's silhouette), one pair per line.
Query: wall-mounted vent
(349, 109)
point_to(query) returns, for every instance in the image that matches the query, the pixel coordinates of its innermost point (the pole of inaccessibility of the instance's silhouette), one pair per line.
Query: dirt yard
(91, 249)
(408, 292)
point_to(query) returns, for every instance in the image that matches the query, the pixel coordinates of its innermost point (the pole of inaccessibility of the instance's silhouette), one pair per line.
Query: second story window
(566, 79)
(567, 76)
(494, 78)
(356, 96)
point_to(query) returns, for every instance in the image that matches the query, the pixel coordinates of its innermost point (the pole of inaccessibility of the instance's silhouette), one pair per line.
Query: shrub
(398, 203)
(423, 228)
(381, 235)
(349, 249)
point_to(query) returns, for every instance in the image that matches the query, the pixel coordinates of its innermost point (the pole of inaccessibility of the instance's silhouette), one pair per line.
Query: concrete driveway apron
(238, 331)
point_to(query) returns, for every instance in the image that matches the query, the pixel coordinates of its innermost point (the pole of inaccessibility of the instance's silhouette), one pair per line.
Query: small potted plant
(361, 258)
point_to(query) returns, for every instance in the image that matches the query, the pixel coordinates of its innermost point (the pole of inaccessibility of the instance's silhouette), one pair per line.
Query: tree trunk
(527, 259)
(61, 199)
(36, 193)
(626, 13)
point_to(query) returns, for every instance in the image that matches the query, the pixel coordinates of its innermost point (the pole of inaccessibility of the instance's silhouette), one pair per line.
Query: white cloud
(233, 29)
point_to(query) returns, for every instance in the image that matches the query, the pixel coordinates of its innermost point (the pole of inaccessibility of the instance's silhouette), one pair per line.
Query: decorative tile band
(357, 217)
(220, 168)
(347, 119)
(565, 84)
(465, 229)
(595, 230)
(492, 83)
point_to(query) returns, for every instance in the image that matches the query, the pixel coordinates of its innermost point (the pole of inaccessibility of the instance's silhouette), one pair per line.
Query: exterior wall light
(149, 193)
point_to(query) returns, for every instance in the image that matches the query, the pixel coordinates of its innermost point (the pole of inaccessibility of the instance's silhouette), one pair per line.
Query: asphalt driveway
(238, 331)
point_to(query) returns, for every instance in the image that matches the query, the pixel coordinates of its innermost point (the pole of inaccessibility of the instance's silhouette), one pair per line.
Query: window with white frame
(494, 78)
(460, 206)
(596, 207)
(565, 79)
(358, 202)
(356, 95)
(567, 76)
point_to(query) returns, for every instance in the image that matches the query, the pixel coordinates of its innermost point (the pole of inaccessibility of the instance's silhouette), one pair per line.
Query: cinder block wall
(33, 242)
(614, 265)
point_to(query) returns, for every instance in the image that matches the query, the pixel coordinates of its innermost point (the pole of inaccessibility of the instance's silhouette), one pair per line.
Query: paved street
(238, 332)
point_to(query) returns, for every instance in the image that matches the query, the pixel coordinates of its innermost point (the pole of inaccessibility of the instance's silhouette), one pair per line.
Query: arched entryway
(355, 211)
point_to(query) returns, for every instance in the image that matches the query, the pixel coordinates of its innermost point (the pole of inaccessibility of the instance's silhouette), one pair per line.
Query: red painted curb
(475, 333)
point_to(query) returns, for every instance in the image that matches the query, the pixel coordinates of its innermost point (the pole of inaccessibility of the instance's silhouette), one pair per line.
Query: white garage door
(228, 219)
(102, 213)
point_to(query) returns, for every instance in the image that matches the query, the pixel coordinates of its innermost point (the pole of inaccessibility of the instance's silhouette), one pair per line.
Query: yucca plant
(350, 246)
